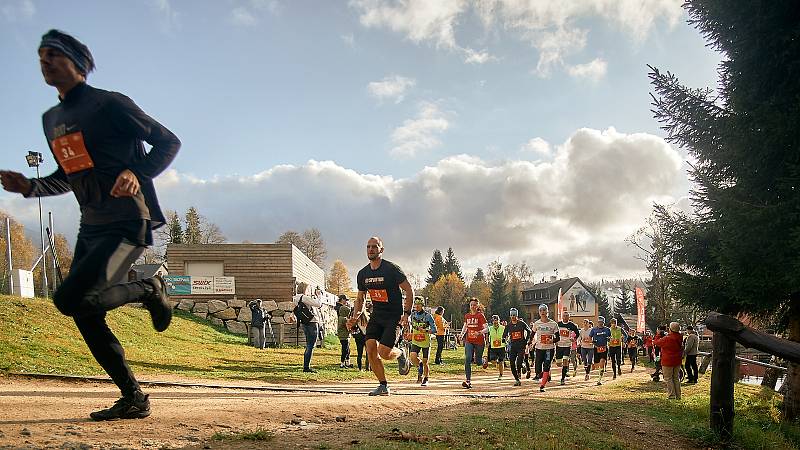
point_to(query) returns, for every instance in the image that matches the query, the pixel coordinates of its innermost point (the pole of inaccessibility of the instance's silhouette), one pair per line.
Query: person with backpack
(304, 313)
(258, 324)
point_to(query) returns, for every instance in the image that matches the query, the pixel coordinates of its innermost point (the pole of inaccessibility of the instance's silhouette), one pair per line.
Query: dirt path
(39, 413)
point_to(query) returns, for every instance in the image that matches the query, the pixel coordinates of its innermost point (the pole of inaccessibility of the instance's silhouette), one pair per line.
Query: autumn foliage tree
(339, 280)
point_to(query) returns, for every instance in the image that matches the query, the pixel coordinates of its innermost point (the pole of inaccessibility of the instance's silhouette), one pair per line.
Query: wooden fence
(727, 332)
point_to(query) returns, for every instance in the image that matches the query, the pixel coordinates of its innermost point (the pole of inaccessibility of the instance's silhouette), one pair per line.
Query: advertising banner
(178, 284)
(202, 285)
(224, 285)
(640, 325)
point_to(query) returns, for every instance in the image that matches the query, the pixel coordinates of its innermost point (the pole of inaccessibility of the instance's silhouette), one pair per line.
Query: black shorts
(562, 352)
(497, 354)
(416, 349)
(598, 356)
(386, 332)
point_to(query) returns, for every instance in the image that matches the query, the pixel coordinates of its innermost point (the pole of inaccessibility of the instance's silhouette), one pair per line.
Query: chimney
(553, 278)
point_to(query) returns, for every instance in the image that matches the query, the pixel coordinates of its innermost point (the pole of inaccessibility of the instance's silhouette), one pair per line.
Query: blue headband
(73, 49)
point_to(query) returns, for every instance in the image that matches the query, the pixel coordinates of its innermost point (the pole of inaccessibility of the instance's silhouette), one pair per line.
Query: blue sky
(407, 92)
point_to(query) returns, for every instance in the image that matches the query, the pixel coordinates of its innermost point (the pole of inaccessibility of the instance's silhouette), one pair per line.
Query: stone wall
(235, 315)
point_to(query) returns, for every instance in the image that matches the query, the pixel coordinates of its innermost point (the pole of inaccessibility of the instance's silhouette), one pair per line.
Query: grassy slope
(35, 337)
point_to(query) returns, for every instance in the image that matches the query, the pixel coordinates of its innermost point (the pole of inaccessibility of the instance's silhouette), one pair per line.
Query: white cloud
(17, 10)
(249, 13)
(537, 146)
(477, 57)
(419, 20)
(593, 71)
(572, 212)
(421, 133)
(243, 16)
(392, 87)
(349, 39)
(553, 28)
(168, 18)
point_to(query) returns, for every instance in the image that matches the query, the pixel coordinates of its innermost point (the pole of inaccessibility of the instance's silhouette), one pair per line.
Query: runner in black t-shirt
(383, 281)
(517, 332)
(567, 331)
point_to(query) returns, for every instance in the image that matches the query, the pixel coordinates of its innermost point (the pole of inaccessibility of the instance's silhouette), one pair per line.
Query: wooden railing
(727, 332)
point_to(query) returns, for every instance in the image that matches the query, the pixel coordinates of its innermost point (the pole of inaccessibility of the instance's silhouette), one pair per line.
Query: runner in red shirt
(475, 327)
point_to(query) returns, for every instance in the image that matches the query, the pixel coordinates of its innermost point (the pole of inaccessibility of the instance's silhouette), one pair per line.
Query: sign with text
(199, 285)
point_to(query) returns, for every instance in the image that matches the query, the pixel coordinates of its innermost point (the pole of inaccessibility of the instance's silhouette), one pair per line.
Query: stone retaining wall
(234, 314)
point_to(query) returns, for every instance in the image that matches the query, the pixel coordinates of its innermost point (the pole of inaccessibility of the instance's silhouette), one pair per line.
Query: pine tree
(623, 304)
(192, 233)
(738, 251)
(174, 228)
(479, 276)
(498, 285)
(436, 269)
(451, 264)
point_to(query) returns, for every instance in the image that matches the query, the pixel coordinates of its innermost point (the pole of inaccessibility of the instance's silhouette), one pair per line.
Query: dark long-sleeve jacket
(111, 128)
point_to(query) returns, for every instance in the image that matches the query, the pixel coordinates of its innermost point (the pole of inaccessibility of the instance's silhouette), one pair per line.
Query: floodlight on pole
(35, 159)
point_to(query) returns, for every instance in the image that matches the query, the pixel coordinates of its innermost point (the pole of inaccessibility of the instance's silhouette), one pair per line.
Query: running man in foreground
(383, 280)
(517, 332)
(422, 326)
(600, 335)
(545, 341)
(96, 138)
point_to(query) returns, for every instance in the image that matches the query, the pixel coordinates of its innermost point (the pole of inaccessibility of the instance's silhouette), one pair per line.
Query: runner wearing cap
(615, 347)
(545, 341)
(497, 348)
(517, 332)
(567, 330)
(422, 326)
(600, 335)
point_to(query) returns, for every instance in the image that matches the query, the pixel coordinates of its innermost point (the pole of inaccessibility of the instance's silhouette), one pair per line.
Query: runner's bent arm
(358, 309)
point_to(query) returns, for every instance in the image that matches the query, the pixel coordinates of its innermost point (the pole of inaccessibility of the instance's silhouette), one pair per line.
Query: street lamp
(34, 159)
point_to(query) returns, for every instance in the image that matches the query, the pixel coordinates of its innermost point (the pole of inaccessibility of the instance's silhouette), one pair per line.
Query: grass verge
(35, 337)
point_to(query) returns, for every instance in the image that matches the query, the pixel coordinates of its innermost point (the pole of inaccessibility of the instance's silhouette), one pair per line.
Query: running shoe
(614, 377)
(541, 388)
(309, 370)
(599, 383)
(403, 365)
(499, 378)
(562, 383)
(485, 363)
(424, 382)
(528, 375)
(382, 389)
(466, 385)
(136, 406)
(419, 378)
(586, 378)
(518, 383)
(157, 303)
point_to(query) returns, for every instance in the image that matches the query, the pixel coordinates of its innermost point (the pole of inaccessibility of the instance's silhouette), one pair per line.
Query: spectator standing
(258, 324)
(343, 313)
(441, 333)
(306, 312)
(690, 351)
(671, 354)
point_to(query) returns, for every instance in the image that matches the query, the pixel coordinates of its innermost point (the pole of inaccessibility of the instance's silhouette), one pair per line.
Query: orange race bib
(496, 343)
(587, 340)
(516, 335)
(615, 342)
(600, 349)
(419, 337)
(564, 332)
(379, 295)
(71, 153)
(546, 339)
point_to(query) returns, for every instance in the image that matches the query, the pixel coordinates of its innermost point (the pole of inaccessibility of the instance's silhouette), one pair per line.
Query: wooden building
(266, 271)
(576, 298)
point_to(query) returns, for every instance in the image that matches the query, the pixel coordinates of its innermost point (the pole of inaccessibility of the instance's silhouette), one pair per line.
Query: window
(204, 268)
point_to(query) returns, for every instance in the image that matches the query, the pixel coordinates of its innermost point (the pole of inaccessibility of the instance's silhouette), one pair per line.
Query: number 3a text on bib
(71, 153)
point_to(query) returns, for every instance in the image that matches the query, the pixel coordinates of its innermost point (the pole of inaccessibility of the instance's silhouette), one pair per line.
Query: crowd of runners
(399, 322)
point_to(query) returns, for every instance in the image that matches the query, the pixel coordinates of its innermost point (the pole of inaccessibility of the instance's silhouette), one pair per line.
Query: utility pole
(35, 159)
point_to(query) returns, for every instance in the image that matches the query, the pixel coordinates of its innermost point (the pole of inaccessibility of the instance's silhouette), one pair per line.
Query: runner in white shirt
(545, 338)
